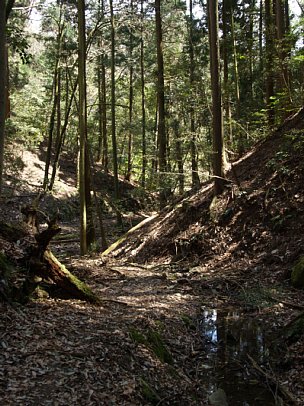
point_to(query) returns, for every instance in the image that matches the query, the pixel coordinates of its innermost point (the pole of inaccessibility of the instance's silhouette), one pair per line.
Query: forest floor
(195, 300)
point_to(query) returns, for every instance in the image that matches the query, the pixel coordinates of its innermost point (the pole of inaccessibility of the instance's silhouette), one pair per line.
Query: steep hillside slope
(261, 213)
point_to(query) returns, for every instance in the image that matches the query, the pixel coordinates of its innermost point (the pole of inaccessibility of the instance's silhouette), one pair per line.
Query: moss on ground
(154, 341)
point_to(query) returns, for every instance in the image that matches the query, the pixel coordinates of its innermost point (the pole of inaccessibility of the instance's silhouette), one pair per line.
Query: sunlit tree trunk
(161, 133)
(56, 84)
(251, 43)
(269, 35)
(143, 102)
(103, 136)
(113, 109)
(3, 84)
(261, 49)
(226, 87)
(194, 164)
(217, 122)
(131, 96)
(179, 156)
(82, 126)
(62, 135)
(283, 87)
(235, 68)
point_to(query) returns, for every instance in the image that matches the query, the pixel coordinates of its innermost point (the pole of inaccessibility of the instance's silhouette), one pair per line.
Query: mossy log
(40, 263)
(57, 272)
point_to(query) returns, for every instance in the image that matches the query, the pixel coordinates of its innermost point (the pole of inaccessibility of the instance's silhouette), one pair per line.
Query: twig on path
(114, 301)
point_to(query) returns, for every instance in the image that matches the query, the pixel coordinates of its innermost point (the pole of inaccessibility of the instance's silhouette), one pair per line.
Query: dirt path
(142, 346)
(66, 352)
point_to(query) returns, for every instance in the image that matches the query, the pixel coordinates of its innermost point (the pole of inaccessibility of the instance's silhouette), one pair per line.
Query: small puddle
(228, 337)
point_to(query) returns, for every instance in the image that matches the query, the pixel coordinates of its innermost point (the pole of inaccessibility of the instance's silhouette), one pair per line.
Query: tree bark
(62, 136)
(217, 122)
(143, 101)
(194, 164)
(113, 110)
(82, 126)
(226, 84)
(55, 107)
(161, 133)
(3, 86)
(269, 35)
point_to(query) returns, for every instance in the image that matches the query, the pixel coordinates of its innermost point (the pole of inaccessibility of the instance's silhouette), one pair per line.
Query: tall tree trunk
(56, 84)
(62, 136)
(251, 43)
(51, 132)
(103, 136)
(3, 85)
(58, 113)
(269, 35)
(105, 157)
(179, 156)
(113, 109)
(131, 91)
(194, 163)
(161, 133)
(82, 125)
(226, 87)
(143, 102)
(283, 81)
(235, 69)
(217, 124)
(261, 49)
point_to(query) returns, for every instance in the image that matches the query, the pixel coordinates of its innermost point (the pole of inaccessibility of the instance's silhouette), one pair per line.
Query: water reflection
(228, 337)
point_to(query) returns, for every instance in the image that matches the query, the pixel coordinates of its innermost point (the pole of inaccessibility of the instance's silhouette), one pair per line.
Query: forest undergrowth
(147, 342)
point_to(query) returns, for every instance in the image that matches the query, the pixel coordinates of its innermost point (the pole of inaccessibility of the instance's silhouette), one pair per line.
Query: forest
(152, 202)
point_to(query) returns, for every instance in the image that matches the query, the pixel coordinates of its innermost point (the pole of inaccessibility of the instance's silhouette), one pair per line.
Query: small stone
(218, 398)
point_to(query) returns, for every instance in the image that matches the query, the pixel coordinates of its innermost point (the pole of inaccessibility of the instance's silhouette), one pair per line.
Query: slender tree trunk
(82, 126)
(51, 131)
(131, 91)
(269, 35)
(58, 113)
(143, 102)
(56, 84)
(100, 136)
(235, 69)
(251, 43)
(179, 156)
(161, 133)
(217, 124)
(105, 157)
(283, 81)
(227, 105)
(62, 136)
(194, 163)
(103, 136)
(3, 86)
(261, 50)
(113, 109)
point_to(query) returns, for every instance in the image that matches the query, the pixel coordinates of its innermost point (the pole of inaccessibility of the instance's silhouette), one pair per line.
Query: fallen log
(41, 264)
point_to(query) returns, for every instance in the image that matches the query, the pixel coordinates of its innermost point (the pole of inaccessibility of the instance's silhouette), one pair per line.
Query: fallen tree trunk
(40, 263)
